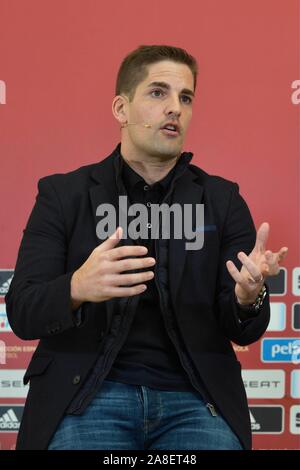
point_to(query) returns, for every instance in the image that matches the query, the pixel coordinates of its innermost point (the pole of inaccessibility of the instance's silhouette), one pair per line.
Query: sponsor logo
(296, 281)
(295, 419)
(280, 350)
(240, 349)
(10, 417)
(16, 351)
(264, 383)
(277, 284)
(11, 383)
(6, 276)
(295, 384)
(4, 325)
(278, 316)
(266, 419)
(296, 316)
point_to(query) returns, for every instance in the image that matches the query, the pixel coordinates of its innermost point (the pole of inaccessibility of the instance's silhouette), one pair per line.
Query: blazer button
(76, 379)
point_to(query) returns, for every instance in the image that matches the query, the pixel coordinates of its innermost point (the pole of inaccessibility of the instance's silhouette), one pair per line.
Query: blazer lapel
(186, 191)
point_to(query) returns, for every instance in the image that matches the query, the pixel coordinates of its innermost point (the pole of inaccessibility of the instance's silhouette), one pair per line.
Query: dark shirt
(148, 357)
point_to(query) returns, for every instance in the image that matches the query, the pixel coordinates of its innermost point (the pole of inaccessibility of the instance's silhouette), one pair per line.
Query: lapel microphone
(136, 123)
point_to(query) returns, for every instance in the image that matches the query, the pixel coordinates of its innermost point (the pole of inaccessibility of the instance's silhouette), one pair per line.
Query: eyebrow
(165, 85)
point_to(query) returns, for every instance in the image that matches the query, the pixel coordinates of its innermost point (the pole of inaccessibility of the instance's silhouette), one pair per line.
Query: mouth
(170, 130)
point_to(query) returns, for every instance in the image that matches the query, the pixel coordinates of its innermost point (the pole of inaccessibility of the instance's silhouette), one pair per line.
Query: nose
(173, 106)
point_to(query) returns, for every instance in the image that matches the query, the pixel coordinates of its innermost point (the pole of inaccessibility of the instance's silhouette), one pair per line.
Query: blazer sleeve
(38, 301)
(239, 234)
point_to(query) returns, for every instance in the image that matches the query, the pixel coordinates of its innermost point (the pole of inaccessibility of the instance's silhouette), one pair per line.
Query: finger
(123, 280)
(272, 264)
(282, 253)
(262, 237)
(270, 257)
(251, 267)
(234, 272)
(112, 241)
(274, 259)
(122, 251)
(265, 270)
(127, 291)
(133, 263)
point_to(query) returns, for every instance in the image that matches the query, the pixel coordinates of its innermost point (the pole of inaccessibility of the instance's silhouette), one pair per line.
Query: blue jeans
(136, 417)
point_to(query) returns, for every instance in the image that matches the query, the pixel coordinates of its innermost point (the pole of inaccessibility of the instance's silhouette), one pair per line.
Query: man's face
(166, 95)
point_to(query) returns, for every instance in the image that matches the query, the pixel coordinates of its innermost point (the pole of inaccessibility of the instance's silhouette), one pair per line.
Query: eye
(189, 99)
(186, 99)
(156, 91)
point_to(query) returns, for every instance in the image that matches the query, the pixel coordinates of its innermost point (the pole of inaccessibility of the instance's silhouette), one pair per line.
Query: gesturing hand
(102, 275)
(258, 265)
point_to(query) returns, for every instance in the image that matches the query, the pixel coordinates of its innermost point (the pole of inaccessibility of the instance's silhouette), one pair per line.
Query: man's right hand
(100, 278)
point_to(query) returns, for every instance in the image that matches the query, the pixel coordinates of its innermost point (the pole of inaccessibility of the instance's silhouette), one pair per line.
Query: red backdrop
(58, 64)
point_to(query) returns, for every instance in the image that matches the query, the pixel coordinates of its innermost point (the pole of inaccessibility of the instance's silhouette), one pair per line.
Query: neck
(150, 169)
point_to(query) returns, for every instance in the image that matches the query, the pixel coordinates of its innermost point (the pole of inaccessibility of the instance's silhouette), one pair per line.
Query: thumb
(112, 241)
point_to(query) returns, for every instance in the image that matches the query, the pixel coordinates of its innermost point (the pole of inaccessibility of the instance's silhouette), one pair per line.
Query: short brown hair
(133, 69)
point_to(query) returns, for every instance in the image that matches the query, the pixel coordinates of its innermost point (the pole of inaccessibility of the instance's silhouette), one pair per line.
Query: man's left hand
(260, 264)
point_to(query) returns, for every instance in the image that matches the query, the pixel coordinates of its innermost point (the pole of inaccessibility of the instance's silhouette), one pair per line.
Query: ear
(119, 108)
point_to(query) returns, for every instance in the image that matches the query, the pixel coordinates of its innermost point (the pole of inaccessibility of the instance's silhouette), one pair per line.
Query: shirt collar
(125, 173)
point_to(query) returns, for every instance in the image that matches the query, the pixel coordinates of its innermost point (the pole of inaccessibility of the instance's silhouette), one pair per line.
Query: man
(135, 332)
